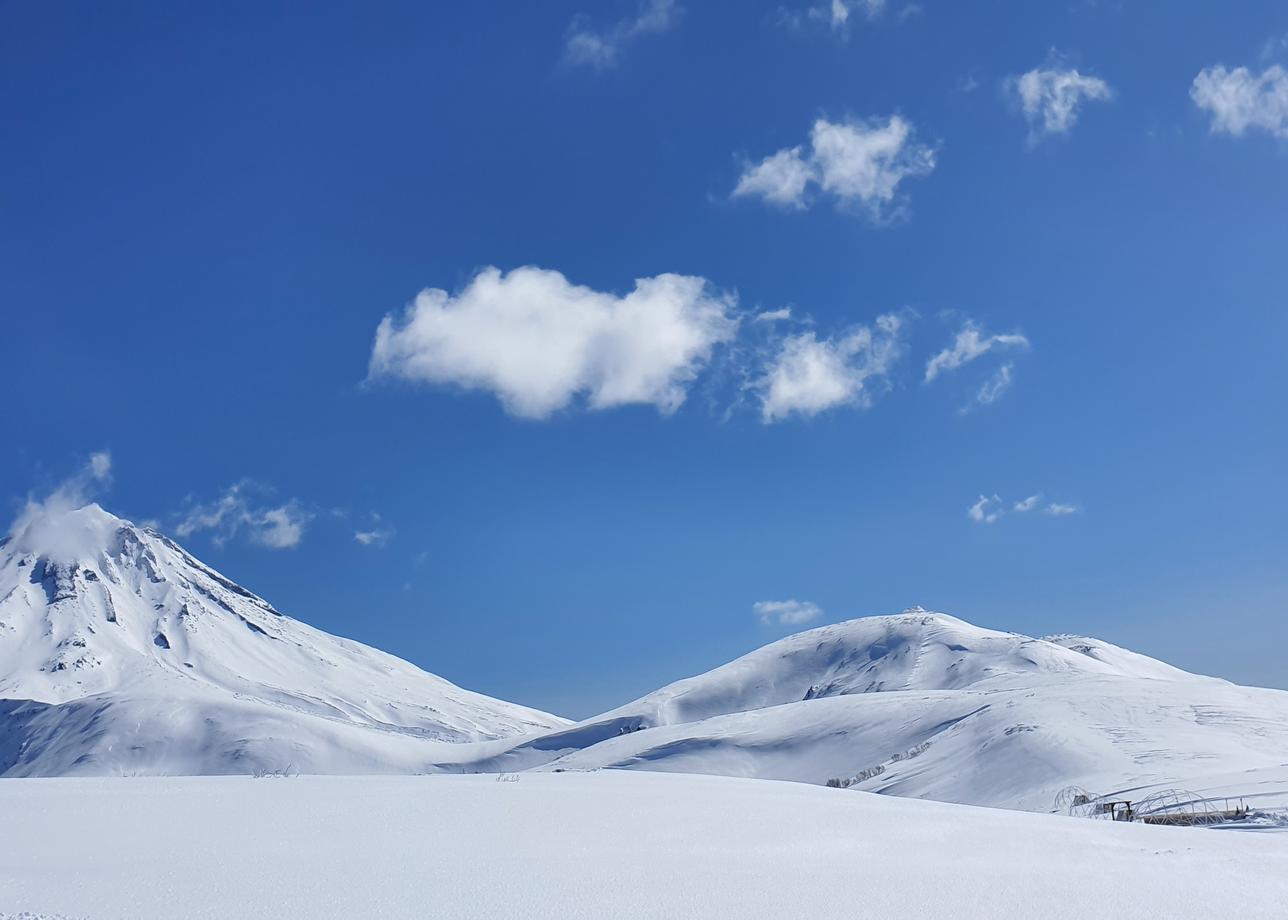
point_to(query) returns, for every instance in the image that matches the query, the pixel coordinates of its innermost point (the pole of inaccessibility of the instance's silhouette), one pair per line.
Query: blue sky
(575, 488)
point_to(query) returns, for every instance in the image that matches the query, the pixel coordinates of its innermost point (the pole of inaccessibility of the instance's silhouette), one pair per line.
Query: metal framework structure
(1164, 806)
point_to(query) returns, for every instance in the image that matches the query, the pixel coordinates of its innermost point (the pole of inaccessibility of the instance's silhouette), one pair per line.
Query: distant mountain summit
(121, 652)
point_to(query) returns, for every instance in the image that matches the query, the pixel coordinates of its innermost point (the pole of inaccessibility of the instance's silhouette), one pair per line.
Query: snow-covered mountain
(121, 652)
(926, 705)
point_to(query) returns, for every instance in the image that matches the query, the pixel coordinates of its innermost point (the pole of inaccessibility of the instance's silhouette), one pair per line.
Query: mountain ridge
(121, 652)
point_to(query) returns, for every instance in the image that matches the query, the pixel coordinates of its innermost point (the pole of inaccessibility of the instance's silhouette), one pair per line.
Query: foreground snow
(608, 844)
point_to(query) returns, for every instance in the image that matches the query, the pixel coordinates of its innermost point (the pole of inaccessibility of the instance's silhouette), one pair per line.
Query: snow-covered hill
(926, 705)
(630, 846)
(121, 652)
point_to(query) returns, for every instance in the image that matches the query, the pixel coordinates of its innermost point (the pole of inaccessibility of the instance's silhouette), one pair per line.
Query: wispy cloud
(991, 390)
(602, 49)
(1027, 504)
(990, 508)
(245, 509)
(987, 510)
(787, 613)
(773, 316)
(835, 15)
(538, 342)
(1052, 96)
(809, 375)
(377, 536)
(1239, 100)
(860, 164)
(969, 344)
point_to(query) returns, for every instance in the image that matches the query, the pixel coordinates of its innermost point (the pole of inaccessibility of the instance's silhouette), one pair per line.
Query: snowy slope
(120, 652)
(633, 846)
(926, 705)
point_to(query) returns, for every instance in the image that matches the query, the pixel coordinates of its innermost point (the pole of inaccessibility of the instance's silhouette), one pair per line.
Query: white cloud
(773, 316)
(377, 536)
(991, 507)
(809, 375)
(859, 163)
(1052, 96)
(787, 613)
(1239, 100)
(602, 49)
(238, 511)
(1027, 504)
(970, 343)
(780, 178)
(992, 389)
(537, 342)
(835, 14)
(987, 510)
(100, 465)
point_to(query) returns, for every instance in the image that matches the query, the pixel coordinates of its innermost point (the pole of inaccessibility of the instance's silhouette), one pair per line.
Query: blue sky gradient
(206, 212)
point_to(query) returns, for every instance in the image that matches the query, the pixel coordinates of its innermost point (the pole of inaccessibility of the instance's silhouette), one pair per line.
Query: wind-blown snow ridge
(120, 651)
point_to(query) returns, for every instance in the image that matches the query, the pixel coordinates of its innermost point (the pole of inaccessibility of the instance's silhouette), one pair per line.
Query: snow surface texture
(121, 653)
(596, 845)
(925, 705)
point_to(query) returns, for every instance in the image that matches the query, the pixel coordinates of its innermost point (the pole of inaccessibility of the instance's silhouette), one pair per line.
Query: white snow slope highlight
(632, 846)
(121, 653)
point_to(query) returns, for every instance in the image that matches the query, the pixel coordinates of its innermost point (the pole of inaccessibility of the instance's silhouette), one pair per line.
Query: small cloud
(1239, 100)
(1027, 504)
(602, 49)
(859, 163)
(377, 536)
(987, 510)
(1052, 96)
(773, 316)
(835, 14)
(969, 344)
(992, 389)
(780, 179)
(1274, 46)
(811, 375)
(787, 613)
(990, 508)
(244, 509)
(100, 465)
(280, 528)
